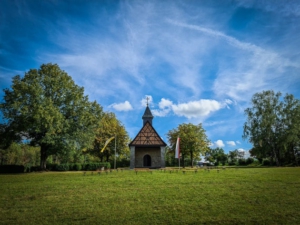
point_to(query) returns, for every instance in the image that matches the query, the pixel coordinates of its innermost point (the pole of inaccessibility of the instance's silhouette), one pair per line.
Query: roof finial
(147, 100)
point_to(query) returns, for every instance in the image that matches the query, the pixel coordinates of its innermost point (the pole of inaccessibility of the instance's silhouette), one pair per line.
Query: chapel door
(147, 161)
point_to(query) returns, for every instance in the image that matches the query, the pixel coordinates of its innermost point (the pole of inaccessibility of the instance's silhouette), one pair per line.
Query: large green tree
(47, 108)
(193, 140)
(272, 126)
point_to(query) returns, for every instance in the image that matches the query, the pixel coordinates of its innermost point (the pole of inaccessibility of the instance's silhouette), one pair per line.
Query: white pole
(115, 151)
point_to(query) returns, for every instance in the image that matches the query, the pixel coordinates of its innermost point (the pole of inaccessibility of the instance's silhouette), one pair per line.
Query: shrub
(231, 163)
(51, 166)
(34, 168)
(76, 167)
(96, 166)
(249, 161)
(242, 162)
(62, 167)
(266, 162)
(123, 163)
(12, 169)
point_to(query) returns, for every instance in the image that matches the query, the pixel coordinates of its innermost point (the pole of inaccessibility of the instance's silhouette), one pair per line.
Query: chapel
(147, 149)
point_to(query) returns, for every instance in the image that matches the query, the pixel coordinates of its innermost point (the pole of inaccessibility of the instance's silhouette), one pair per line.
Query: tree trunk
(43, 156)
(183, 166)
(192, 160)
(295, 155)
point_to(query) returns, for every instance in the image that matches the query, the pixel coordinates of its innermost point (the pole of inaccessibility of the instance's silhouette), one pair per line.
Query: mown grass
(232, 196)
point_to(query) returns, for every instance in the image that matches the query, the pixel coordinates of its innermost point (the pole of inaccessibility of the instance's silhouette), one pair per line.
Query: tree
(216, 156)
(110, 126)
(272, 126)
(193, 140)
(233, 155)
(48, 109)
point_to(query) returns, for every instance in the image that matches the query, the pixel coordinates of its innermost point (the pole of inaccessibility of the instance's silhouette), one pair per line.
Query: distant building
(147, 150)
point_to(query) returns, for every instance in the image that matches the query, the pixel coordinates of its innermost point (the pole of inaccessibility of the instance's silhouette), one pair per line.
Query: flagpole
(115, 151)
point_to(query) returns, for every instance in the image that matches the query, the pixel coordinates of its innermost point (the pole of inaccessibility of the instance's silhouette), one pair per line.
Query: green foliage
(273, 127)
(76, 167)
(51, 111)
(63, 167)
(20, 154)
(52, 166)
(108, 127)
(249, 161)
(123, 163)
(216, 156)
(242, 162)
(193, 141)
(266, 162)
(12, 169)
(96, 166)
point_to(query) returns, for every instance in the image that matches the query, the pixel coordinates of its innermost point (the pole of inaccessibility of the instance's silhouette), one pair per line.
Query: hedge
(12, 169)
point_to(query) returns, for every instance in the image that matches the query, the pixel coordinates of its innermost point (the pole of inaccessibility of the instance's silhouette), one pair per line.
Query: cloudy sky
(197, 61)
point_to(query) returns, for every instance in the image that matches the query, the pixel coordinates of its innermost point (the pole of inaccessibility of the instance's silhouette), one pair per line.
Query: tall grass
(232, 196)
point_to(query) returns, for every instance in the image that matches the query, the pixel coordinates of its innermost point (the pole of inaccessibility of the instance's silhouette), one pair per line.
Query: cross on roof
(147, 100)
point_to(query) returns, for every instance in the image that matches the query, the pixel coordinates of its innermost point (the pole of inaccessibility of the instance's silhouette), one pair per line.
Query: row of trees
(272, 126)
(46, 109)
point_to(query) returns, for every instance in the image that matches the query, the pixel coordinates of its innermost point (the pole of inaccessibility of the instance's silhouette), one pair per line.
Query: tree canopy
(48, 109)
(193, 140)
(273, 127)
(216, 156)
(110, 126)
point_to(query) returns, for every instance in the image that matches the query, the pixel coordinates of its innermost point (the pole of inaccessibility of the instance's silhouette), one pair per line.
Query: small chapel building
(147, 149)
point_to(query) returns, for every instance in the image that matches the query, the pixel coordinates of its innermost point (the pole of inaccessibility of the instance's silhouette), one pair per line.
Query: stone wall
(155, 154)
(132, 157)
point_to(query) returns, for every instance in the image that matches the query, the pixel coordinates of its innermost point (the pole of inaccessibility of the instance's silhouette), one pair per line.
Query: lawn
(231, 196)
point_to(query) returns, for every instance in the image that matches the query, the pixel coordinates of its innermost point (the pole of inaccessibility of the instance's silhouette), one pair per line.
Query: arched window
(147, 161)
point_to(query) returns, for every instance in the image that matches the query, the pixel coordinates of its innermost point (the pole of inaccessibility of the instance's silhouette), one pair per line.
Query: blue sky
(198, 61)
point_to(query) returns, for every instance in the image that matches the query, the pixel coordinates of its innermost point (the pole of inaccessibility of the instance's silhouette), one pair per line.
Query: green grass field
(232, 196)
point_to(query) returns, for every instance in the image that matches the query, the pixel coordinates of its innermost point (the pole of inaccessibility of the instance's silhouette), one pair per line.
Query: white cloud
(231, 143)
(219, 143)
(125, 106)
(165, 103)
(196, 109)
(192, 109)
(238, 142)
(165, 106)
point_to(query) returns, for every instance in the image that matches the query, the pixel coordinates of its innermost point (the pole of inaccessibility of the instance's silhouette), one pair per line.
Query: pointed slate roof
(147, 116)
(147, 113)
(147, 137)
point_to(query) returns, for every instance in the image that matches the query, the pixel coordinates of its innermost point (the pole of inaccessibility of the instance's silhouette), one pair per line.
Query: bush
(123, 163)
(96, 166)
(35, 168)
(62, 167)
(76, 167)
(51, 166)
(249, 161)
(12, 169)
(242, 162)
(231, 163)
(266, 162)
